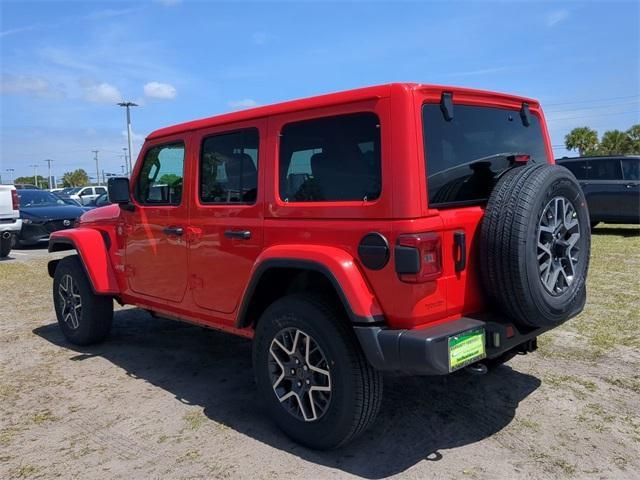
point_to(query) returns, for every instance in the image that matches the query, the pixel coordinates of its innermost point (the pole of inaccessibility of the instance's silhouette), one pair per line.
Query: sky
(65, 65)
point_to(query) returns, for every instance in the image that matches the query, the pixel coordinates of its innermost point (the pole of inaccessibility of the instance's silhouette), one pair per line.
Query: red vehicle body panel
(203, 276)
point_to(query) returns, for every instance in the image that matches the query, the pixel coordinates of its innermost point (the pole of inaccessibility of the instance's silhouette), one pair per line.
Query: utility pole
(35, 175)
(10, 170)
(127, 105)
(122, 167)
(48, 160)
(95, 153)
(127, 171)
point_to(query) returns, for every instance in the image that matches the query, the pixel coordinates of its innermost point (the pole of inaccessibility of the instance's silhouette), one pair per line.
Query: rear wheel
(5, 245)
(317, 384)
(83, 316)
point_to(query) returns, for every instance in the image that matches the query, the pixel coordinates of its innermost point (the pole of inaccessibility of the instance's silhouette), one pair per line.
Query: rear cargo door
(465, 153)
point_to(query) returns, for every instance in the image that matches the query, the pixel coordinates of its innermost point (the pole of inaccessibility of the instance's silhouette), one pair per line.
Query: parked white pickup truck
(10, 223)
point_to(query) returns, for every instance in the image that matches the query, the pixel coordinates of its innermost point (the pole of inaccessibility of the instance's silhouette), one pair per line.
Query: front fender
(337, 264)
(93, 253)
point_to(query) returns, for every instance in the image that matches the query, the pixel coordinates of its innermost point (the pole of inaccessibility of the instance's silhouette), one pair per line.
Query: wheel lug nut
(305, 368)
(308, 381)
(293, 371)
(297, 361)
(299, 384)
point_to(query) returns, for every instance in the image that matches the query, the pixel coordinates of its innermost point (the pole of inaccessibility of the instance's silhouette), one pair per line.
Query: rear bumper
(12, 225)
(426, 351)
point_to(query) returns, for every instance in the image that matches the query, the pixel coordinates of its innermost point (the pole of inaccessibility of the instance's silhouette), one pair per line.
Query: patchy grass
(43, 416)
(194, 420)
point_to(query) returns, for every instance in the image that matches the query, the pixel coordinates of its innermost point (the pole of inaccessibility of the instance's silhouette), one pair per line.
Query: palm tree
(615, 142)
(77, 178)
(584, 139)
(634, 135)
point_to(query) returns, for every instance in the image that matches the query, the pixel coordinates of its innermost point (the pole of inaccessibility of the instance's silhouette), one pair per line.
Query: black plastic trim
(241, 320)
(407, 260)
(446, 105)
(425, 351)
(373, 251)
(525, 115)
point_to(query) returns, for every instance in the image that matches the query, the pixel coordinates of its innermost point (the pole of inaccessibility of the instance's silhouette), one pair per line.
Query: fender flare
(337, 265)
(94, 256)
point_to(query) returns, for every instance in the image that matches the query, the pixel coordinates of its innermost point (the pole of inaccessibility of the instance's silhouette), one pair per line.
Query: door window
(605, 169)
(229, 167)
(578, 168)
(161, 175)
(331, 159)
(100, 190)
(631, 168)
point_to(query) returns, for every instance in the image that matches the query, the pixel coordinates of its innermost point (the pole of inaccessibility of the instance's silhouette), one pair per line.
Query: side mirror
(118, 188)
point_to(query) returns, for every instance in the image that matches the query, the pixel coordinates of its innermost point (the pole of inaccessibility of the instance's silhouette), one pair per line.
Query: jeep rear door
(226, 220)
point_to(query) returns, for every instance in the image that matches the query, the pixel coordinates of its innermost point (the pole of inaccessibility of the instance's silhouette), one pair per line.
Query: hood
(58, 212)
(108, 213)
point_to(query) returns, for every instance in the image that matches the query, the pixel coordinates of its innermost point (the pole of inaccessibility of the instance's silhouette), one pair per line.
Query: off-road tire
(95, 315)
(509, 252)
(356, 388)
(5, 246)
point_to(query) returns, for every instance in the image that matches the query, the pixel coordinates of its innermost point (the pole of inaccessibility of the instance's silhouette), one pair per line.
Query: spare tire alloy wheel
(70, 302)
(300, 374)
(558, 253)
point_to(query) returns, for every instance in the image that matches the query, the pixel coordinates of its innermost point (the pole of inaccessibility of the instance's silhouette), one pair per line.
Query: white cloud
(163, 91)
(557, 16)
(102, 93)
(135, 137)
(260, 38)
(27, 85)
(244, 103)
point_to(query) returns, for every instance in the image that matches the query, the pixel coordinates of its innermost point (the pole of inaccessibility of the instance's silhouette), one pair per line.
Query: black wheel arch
(277, 277)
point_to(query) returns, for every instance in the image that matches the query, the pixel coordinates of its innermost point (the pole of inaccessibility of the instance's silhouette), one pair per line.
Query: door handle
(460, 242)
(241, 234)
(629, 185)
(173, 230)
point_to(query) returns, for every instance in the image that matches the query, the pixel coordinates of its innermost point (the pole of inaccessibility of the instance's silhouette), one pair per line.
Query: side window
(331, 159)
(85, 191)
(578, 168)
(605, 169)
(160, 179)
(100, 190)
(631, 168)
(229, 167)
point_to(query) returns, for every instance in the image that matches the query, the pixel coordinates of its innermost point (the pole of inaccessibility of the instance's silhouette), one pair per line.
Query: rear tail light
(15, 200)
(418, 257)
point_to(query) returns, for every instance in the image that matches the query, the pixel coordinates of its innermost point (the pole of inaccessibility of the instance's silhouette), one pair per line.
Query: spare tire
(534, 245)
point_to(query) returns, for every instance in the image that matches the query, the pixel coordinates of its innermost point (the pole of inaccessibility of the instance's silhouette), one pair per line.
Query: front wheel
(83, 316)
(311, 372)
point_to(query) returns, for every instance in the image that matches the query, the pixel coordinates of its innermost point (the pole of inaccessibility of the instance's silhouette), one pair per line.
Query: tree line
(613, 142)
(76, 178)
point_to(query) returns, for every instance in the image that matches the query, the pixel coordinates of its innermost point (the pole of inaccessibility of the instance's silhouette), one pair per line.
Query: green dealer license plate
(466, 348)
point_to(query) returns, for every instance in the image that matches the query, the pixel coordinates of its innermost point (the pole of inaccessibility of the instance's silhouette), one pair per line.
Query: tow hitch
(477, 369)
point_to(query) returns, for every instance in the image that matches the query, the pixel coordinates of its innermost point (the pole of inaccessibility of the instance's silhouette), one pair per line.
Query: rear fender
(94, 255)
(336, 264)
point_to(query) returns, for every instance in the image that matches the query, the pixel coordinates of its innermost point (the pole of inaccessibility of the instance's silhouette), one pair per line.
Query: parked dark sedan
(611, 186)
(43, 212)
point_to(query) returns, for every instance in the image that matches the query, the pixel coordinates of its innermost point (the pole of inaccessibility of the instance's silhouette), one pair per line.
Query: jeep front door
(155, 240)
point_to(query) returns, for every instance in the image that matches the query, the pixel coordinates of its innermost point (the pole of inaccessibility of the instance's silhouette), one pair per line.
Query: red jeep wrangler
(404, 227)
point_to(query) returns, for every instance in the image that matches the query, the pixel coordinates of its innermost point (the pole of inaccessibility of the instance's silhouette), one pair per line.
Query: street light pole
(127, 105)
(35, 175)
(48, 160)
(10, 170)
(126, 162)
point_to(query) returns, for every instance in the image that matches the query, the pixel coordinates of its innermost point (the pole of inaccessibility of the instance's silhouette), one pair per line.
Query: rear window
(331, 159)
(604, 169)
(464, 155)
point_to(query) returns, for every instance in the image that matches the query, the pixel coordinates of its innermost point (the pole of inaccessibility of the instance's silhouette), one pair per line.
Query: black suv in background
(611, 186)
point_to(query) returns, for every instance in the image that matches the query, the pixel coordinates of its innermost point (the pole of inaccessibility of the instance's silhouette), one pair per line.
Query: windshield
(465, 155)
(71, 191)
(38, 198)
